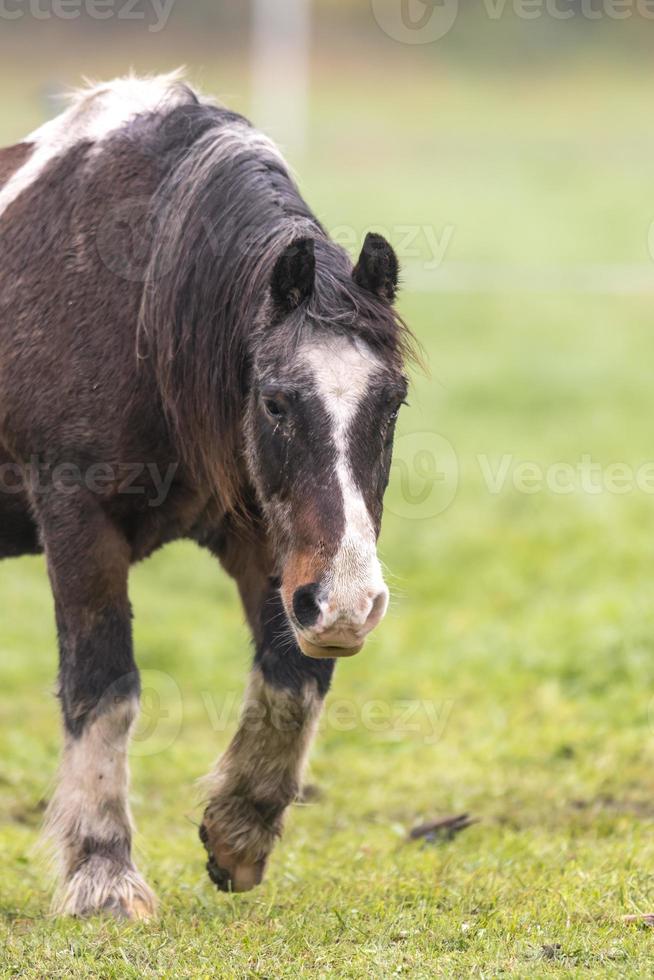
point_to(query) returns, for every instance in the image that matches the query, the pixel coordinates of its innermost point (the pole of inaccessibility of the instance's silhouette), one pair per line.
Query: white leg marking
(256, 779)
(89, 821)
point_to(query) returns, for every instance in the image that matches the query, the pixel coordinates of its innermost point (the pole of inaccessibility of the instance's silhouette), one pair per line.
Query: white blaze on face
(342, 370)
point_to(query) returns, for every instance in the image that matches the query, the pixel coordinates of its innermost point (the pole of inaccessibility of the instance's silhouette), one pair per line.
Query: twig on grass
(444, 829)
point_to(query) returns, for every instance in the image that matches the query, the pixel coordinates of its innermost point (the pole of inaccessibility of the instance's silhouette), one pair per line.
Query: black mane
(223, 213)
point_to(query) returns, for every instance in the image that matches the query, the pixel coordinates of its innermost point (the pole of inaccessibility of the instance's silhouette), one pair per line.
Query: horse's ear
(377, 270)
(294, 275)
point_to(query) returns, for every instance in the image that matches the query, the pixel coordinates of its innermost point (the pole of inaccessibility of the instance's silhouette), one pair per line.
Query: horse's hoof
(125, 910)
(227, 871)
(101, 888)
(239, 878)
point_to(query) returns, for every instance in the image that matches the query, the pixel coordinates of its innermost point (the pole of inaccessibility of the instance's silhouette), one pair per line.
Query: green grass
(522, 626)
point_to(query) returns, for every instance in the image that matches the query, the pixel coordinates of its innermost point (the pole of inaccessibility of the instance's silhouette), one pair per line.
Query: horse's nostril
(378, 609)
(305, 604)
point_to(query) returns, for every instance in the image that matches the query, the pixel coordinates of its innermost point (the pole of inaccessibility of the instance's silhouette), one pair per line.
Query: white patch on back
(342, 369)
(94, 114)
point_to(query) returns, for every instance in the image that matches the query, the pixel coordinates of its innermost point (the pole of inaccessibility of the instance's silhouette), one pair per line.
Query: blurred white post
(280, 70)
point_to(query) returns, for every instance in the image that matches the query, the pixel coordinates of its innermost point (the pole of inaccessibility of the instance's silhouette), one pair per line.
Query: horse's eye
(396, 411)
(275, 404)
(273, 408)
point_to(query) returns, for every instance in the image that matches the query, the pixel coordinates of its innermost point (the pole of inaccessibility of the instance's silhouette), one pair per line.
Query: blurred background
(505, 147)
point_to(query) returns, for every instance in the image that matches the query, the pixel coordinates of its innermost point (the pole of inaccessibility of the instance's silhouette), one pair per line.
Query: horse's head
(326, 392)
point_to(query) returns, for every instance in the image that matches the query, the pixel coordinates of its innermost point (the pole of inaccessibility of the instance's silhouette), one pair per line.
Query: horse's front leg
(260, 773)
(88, 816)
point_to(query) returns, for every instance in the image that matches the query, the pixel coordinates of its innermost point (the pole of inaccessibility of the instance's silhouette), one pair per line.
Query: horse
(186, 354)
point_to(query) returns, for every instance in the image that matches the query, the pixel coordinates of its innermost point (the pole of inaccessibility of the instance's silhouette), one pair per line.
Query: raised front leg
(88, 818)
(260, 773)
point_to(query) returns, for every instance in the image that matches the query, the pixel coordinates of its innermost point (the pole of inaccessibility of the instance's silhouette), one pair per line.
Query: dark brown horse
(185, 354)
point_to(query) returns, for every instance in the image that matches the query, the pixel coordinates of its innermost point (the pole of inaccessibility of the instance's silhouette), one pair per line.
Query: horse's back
(70, 290)
(75, 249)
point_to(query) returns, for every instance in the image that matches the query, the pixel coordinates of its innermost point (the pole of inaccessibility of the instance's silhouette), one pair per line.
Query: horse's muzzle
(325, 629)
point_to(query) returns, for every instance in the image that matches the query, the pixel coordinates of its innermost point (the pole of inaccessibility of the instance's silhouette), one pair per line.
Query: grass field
(521, 634)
